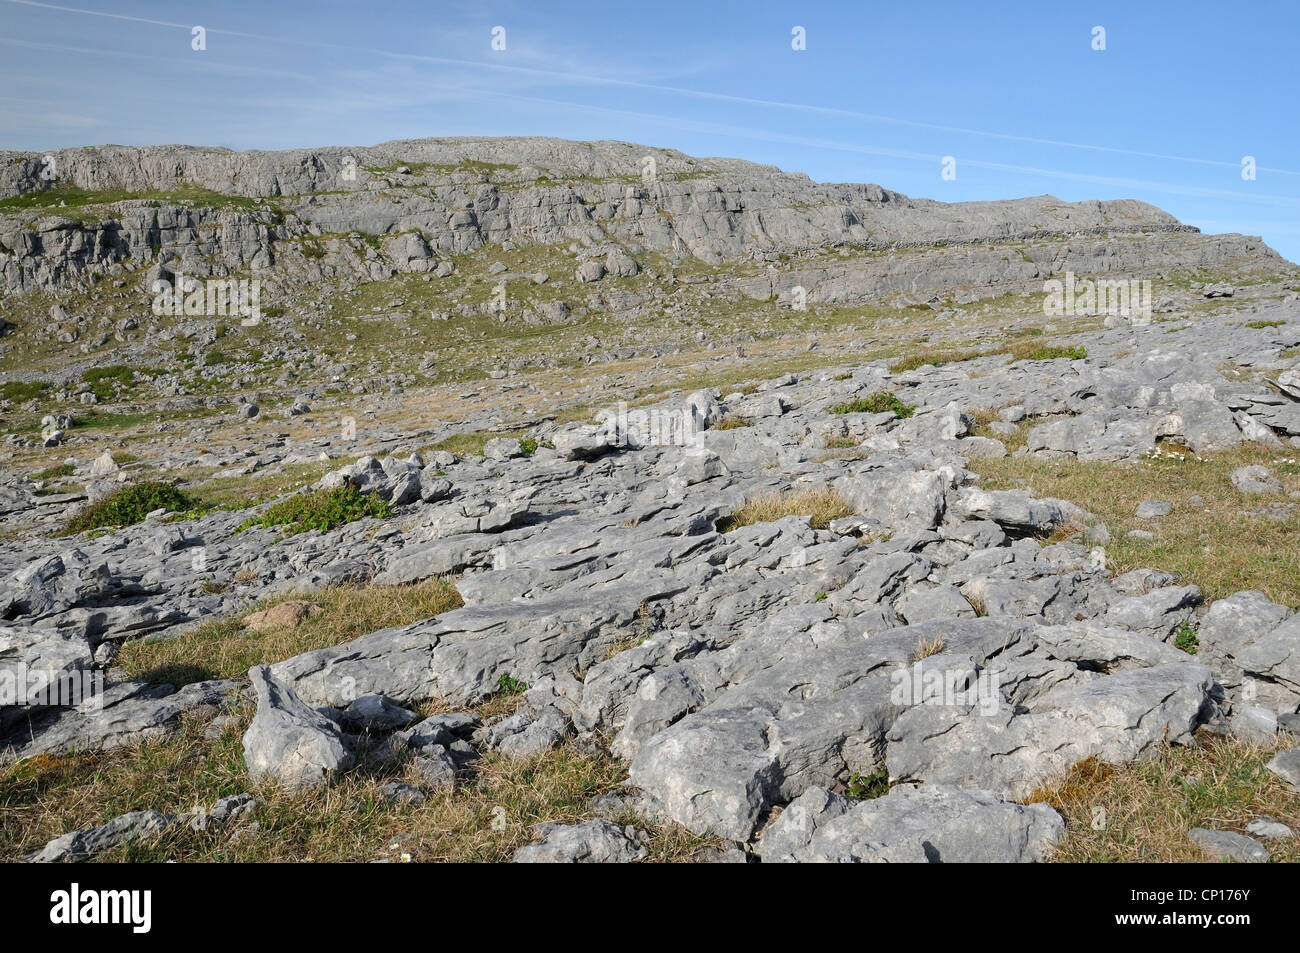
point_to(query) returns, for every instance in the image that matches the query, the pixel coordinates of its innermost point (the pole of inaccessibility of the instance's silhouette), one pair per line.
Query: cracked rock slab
(806, 720)
(1116, 718)
(930, 824)
(593, 842)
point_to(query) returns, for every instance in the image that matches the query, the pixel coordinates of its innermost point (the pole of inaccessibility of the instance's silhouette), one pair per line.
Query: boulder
(592, 842)
(285, 615)
(290, 742)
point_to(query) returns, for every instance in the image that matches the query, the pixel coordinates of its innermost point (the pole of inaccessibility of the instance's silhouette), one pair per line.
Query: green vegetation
(465, 165)
(58, 471)
(877, 403)
(1047, 352)
(1185, 639)
(22, 391)
(99, 419)
(61, 198)
(868, 786)
(471, 444)
(322, 510)
(415, 167)
(130, 505)
(922, 358)
(260, 486)
(510, 686)
(105, 381)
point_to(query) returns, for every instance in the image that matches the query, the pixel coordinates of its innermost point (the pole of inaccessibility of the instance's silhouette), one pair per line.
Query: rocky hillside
(426, 201)
(465, 248)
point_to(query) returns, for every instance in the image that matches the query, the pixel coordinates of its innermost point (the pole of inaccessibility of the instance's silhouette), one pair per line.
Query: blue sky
(1013, 91)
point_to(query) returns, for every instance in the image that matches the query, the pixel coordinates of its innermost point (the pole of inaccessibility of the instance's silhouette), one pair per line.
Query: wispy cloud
(580, 72)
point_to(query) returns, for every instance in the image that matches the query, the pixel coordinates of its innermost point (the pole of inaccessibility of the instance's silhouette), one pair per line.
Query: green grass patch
(130, 505)
(471, 444)
(866, 787)
(322, 510)
(877, 403)
(105, 381)
(1213, 538)
(922, 358)
(22, 391)
(415, 168)
(57, 471)
(99, 419)
(1047, 352)
(510, 686)
(61, 198)
(1151, 805)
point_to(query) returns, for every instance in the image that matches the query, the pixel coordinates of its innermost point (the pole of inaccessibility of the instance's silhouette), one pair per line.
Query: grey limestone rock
(290, 742)
(592, 842)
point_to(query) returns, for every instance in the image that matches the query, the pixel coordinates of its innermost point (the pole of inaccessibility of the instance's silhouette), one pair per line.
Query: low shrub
(322, 510)
(877, 403)
(130, 505)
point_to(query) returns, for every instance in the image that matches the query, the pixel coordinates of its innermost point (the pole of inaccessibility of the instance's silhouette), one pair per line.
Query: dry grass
(922, 358)
(223, 648)
(1149, 807)
(646, 629)
(469, 444)
(732, 423)
(262, 485)
(1023, 350)
(821, 506)
(841, 443)
(485, 818)
(1222, 545)
(857, 453)
(927, 647)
